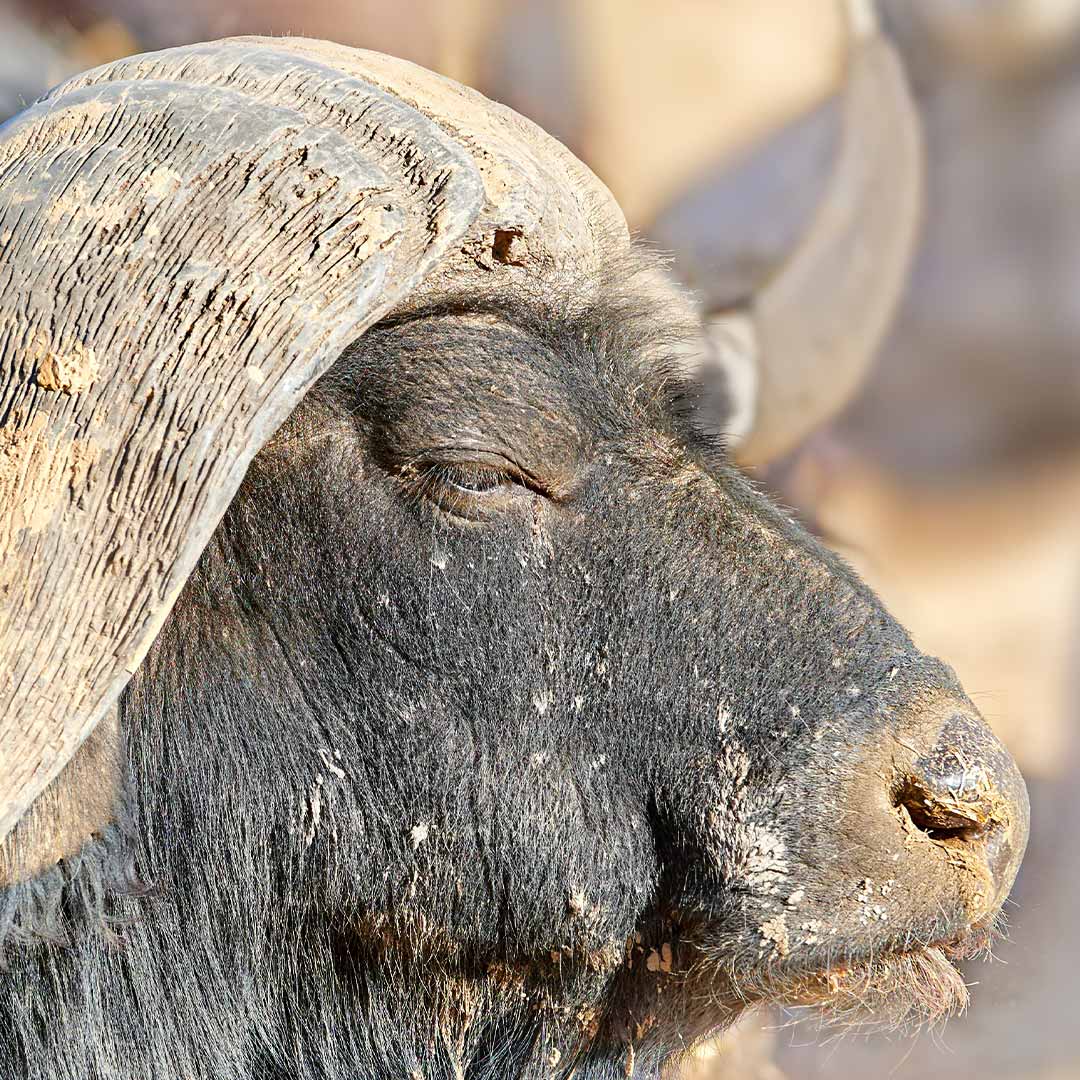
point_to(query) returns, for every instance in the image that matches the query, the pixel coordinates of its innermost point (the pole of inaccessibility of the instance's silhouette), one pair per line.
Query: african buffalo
(450, 705)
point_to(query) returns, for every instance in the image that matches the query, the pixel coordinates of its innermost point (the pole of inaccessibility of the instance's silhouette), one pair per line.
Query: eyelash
(471, 480)
(468, 490)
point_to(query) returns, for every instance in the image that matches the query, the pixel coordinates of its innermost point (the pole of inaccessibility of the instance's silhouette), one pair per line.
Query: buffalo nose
(968, 790)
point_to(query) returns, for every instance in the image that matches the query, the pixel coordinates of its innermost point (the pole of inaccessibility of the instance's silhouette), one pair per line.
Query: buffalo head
(469, 712)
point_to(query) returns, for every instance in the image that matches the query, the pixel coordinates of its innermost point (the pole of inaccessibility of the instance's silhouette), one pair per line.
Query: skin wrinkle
(538, 795)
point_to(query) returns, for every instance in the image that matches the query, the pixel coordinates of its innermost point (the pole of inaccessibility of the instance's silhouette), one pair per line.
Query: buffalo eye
(472, 490)
(472, 480)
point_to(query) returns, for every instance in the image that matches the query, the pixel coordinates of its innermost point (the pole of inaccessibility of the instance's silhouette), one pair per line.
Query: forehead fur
(623, 344)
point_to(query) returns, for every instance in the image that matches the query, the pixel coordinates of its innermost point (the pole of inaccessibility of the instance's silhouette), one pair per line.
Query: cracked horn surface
(188, 239)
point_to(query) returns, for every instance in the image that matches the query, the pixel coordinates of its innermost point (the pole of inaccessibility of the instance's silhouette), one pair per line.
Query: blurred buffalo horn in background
(804, 324)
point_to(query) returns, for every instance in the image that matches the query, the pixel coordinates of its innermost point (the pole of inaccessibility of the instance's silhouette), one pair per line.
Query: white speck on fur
(723, 717)
(419, 834)
(328, 761)
(314, 811)
(766, 866)
(774, 931)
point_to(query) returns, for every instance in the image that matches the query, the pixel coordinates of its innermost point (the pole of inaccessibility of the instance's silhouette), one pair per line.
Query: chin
(856, 989)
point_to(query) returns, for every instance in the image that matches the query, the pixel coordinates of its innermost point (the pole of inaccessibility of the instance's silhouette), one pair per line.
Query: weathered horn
(187, 240)
(812, 329)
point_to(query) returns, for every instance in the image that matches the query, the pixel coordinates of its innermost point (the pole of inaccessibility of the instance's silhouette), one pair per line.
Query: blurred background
(952, 481)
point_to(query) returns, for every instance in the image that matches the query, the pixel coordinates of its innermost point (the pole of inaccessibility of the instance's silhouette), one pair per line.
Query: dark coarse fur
(430, 783)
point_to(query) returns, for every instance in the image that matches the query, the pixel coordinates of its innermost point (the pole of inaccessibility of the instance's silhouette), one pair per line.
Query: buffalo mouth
(899, 990)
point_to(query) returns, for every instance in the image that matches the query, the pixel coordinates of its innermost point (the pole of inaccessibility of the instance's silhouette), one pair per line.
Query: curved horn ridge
(548, 207)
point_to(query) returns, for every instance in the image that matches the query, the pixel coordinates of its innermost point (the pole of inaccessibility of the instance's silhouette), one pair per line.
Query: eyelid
(432, 480)
(457, 476)
(456, 457)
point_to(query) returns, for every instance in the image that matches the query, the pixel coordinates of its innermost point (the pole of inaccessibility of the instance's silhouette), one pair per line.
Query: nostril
(938, 812)
(966, 795)
(952, 792)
